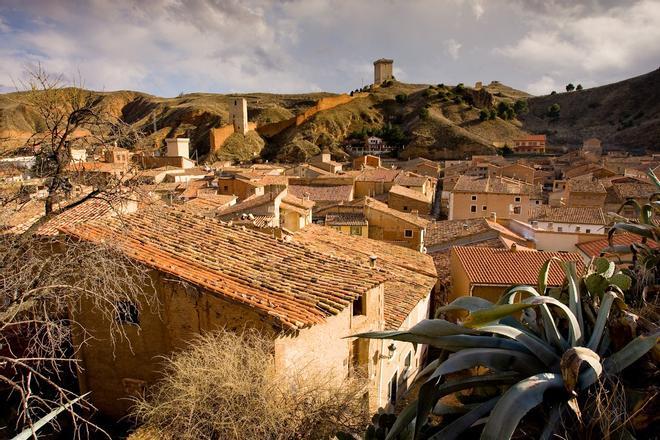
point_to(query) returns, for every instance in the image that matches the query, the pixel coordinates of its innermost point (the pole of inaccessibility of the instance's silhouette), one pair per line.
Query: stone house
(409, 200)
(421, 166)
(585, 193)
(348, 223)
(367, 160)
(518, 171)
(325, 162)
(534, 144)
(208, 275)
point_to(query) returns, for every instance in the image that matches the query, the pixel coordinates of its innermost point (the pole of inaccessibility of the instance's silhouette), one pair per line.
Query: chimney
(513, 247)
(372, 260)
(493, 216)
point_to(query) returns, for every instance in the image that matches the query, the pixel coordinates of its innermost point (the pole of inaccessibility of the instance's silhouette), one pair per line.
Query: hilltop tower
(382, 70)
(238, 115)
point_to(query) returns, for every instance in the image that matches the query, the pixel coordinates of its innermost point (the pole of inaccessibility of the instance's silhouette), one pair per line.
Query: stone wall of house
(406, 204)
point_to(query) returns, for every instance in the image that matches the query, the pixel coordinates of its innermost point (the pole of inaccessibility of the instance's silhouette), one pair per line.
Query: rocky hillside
(623, 114)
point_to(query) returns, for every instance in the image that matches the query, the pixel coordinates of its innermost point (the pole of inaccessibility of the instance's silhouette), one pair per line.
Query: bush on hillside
(570, 87)
(553, 111)
(484, 115)
(225, 386)
(520, 107)
(424, 113)
(579, 87)
(401, 98)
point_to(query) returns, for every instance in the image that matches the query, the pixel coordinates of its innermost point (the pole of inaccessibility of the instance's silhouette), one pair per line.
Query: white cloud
(452, 47)
(543, 86)
(477, 9)
(4, 27)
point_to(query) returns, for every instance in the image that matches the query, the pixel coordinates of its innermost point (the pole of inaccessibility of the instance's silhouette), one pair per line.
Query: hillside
(434, 121)
(623, 114)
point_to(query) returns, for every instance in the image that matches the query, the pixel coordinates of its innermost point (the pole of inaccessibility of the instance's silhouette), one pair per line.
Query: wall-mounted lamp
(390, 350)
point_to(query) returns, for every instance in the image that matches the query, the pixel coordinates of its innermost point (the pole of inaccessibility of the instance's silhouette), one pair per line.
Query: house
(592, 146)
(237, 186)
(409, 200)
(348, 223)
(384, 223)
(209, 204)
(295, 212)
(325, 162)
(561, 228)
(374, 182)
(487, 272)
(585, 193)
(597, 248)
(367, 160)
(627, 188)
(116, 155)
(307, 294)
(421, 166)
(518, 171)
(407, 300)
(322, 195)
(530, 144)
(479, 197)
(306, 170)
(442, 235)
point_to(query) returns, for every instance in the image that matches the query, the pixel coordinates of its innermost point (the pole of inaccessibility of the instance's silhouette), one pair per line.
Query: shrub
(579, 87)
(460, 88)
(401, 98)
(520, 107)
(493, 114)
(458, 100)
(484, 115)
(570, 87)
(224, 386)
(553, 111)
(424, 113)
(553, 92)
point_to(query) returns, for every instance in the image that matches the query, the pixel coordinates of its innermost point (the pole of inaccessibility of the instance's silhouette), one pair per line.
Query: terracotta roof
(297, 201)
(209, 203)
(409, 179)
(636, 190)
(378, 175)
(584, 215)
(532, 137)
(102, 167)
(445, 231)
(584, 186)
(594, 248)
(248, 205)
(407, 217)
(294, 285)
(504, 267)
(409, 193)
(345, 220)
(412, 274)
(494, 185)
(334, 193)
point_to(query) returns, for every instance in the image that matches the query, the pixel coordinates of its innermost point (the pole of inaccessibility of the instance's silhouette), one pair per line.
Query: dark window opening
(393, 389)
(358, 306)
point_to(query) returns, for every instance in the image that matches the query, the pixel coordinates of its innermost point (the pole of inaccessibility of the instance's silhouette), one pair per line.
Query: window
(560, 229)
(484, 208)
(358, 306)
(408, 233)
(550, 226)
(538, 202)
(356, 230)
(588, 231)
(516, 199)
(517, 210)
(405, 208)
(226, 188)
(535, 224)
(392, 388)
(408, 361)
(474, 198)
(473, 208)
(577, 229)
(127, 313)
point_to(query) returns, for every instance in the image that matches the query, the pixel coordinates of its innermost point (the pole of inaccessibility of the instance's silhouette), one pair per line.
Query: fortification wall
(220, 135)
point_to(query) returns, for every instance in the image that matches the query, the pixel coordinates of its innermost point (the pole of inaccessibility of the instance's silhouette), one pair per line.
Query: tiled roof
(494, 185)
(532, 137)
(594, 248)
(382, 207)
(209, 203)
(504, 267)
(409, 193)
(294, 285)
(345, 220)
(412, 274)
(440, 232)
(584, 186)
(248, 205)
(378, 175)
(297, 201)
(334, 193)
(584, 215)
(409, 179)
(636, 190)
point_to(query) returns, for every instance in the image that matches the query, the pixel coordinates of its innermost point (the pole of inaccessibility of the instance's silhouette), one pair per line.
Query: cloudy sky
(166, 47)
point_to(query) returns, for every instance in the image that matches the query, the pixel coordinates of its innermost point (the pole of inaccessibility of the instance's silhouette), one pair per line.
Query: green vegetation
(392, 134)
(424, 113)
(401, 98)
(579, 87)
(570, 87)
(484, 115)
(520, 107)
(553, 111)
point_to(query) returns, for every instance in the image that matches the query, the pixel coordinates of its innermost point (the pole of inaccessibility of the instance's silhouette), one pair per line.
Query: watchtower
(238, 115)
(382, 70)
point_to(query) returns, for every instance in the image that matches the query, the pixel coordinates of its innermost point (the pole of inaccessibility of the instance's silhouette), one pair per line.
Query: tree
(401, 98)
(570, 87)
(493, 114)
(484, 115)
(507, 151)
(553, 111)
(424, 113)
(43, 278)
(554, 92)
(225, 386)
(579, 87)
(520, 107)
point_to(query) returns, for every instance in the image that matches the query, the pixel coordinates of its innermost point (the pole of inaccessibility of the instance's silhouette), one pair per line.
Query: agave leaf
(646, 214)
(601, 320)
(537, 346)
(495, 358)
(622, 281)
(423, 332)
(653, 177)
(551, 331)
(487, 316)
(553, 419)
(516, 402)
(443, 409)
(458, 426)
(36, 426)
(634, 350)
(459, 342)
(646, 231)
(430, 392)
(544, 273)
(467, 303)
(574, 303)
(575, 330)
(403, 420)
(571, 362)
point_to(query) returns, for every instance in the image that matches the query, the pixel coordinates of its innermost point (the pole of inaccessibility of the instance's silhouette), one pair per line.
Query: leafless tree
(44, 278)
(225, 386)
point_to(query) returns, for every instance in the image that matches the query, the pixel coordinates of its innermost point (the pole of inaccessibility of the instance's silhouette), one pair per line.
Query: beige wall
(371, 188)
(364, 230)
(238, 188)
(578, 199)
(460, 204)
(406, 204)
(386, 227)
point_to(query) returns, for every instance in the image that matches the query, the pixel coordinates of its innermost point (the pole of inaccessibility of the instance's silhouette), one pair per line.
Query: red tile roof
(412, 274)
(288, 282)
(564, 214)
(594, 248)
(532, 137)
(334, 193)
(504, 267)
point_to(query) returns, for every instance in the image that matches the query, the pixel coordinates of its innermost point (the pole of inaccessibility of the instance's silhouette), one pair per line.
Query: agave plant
(561, 354)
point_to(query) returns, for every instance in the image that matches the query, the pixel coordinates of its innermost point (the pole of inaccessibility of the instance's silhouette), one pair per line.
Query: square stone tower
(238, 115)
(382, 70)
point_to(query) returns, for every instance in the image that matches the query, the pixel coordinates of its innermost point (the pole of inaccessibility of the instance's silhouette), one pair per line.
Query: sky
(167, 47)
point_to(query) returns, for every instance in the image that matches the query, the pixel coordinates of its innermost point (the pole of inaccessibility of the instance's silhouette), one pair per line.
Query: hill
(622, 114)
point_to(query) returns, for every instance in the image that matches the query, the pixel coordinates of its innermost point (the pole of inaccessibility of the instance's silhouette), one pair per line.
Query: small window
(358, 306)
(226, 188)
(535, 224)
(408, 233)
(538, 202)
(408, 361)
(356, 230)
(577, 229)
(127, 313)
(517, 210)
(474, 197)
(517, 199)
(405, 208)
(484, 208)
(588, 231)
(550, 226)
(560, 229)
(392, 389)
(473, 208)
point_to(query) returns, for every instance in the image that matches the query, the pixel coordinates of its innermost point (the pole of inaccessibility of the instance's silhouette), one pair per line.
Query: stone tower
(238, 115)
(382, 70)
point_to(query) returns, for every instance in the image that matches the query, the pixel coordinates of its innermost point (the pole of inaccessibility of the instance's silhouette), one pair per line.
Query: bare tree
(44, 278)
(225, 386)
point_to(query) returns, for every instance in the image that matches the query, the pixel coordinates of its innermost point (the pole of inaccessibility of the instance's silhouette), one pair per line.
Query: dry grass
(225, 387)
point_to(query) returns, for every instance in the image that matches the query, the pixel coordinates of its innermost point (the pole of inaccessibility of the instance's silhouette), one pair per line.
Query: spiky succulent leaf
(466, 303)
(571, 362)
(603, 266)
(544, 273)
(424, 332)
(629, 354)
(403, 420)
(516, 402)
(601, 320)
(537, 346)
(458, 426)
(622, 281)
(459, 342)
(493, 314)
(574, 301)
(45, 420)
